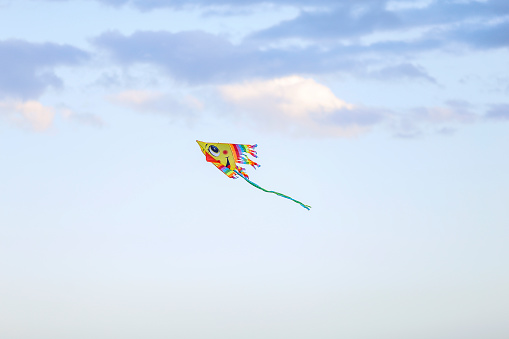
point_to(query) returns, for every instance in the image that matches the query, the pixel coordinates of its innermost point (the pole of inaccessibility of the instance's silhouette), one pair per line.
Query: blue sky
(389, 118)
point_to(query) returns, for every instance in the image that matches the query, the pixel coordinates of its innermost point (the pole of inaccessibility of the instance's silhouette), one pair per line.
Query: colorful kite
(227, 156)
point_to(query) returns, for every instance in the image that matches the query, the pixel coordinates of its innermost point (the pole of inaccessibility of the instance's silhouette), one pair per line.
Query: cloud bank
(197, 57)
(269, 74)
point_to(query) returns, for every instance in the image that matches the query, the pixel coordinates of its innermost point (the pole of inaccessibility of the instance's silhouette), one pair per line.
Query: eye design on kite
(214, 150)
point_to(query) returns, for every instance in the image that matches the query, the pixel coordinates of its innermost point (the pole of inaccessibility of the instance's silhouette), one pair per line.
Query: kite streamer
(226, 157)
(280, 194)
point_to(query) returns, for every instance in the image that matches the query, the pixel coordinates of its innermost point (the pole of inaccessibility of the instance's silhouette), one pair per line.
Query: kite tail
(277, 193)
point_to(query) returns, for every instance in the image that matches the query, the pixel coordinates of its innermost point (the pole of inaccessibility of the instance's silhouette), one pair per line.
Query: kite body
(226, 157)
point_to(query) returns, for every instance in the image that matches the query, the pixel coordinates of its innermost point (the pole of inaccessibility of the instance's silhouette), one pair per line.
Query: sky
(389, 118)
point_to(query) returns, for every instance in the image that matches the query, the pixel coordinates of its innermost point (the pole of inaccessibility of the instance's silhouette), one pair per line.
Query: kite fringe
(242, 154)
(247, 161)
(251, 150)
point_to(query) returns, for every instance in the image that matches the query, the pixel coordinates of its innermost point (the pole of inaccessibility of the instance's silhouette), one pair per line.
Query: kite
(226, 157)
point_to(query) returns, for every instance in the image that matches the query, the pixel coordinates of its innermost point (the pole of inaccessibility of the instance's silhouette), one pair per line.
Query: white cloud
(293, 96)
(30, 114)
(299, 105)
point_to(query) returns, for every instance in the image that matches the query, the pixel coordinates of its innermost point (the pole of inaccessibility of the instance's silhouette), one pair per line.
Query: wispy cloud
(402, 71)
(27, 69)
(192, 56)
(483, 36)
(87, 119)
(353, 19)
(343, 20)
(144, 101)
(35, 116)
(498, 112)
(199, 57)
(443, 119)
(145, 5)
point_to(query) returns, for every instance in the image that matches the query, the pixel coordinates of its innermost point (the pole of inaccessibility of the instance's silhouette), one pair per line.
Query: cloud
(192, 56)
(345, 20)
(498, 112)
(28, 114)
(37, 117)
(298, 105)
(451, 112)
(403, 71)
(439, 119)
(140, 100)
(87, 119)
(483, 36)
(146, 5)
(348, 20)
(198, 57)
(331, 20)
(416, 12)
(294, 95)
(144, 101)
(27, 69)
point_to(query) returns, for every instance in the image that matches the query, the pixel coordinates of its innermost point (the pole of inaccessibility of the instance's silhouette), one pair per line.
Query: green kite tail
(280, 194)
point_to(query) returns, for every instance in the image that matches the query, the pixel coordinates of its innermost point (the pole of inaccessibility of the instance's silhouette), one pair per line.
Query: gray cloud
(498, 112)
(446, 12)
(346, 20)
(403, 71)
(179, 4)
(484, 36)
(333, 18)
(27, 68)
(355, 19)
(197, 56)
